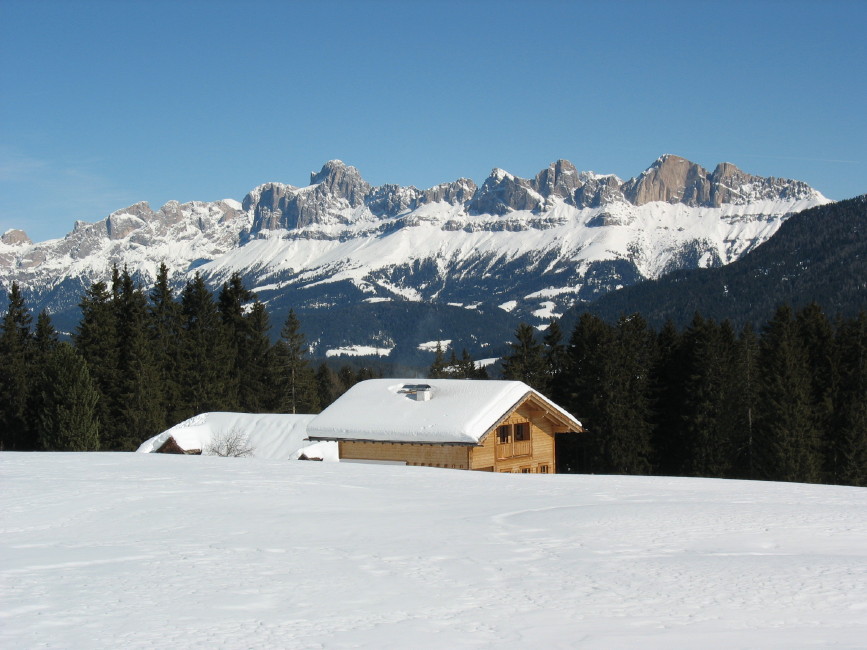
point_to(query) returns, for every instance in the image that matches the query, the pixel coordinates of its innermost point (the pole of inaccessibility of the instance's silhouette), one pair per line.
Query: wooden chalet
(494, 426)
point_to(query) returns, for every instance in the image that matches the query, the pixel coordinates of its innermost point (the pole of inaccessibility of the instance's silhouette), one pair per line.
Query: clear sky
(103, 104)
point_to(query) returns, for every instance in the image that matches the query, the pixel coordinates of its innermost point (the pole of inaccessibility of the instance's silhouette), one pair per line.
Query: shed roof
(459, 411)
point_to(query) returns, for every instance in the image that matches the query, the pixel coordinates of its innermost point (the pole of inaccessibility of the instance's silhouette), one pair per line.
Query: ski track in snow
(147, 551)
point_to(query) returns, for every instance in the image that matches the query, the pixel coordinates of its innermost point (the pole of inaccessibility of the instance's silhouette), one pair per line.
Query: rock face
(15, 237)
(531, 247)
(671, 179)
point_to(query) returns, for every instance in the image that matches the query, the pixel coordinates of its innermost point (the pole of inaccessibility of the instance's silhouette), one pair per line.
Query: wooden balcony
(513, 449)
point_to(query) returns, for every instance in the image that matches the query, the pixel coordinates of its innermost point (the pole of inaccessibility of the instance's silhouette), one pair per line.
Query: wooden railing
(511, 449)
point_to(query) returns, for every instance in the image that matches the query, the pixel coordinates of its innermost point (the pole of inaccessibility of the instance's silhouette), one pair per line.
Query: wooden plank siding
(429, 455)
(541, 444)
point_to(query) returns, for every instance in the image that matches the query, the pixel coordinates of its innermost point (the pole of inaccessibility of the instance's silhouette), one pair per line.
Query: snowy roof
(273, 436)
(458, 411)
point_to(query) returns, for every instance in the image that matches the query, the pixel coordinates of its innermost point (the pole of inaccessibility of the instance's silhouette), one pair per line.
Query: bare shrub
(231, 443)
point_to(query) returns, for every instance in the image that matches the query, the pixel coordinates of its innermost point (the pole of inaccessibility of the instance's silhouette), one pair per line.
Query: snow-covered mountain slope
(112, 550)
(532, 246)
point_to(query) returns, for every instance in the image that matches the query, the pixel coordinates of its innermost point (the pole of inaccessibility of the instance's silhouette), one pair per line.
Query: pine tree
(328, 387)
(437, 369)
(164, 319)
(744, 405)
(526, 362)
(706, 411)
(68, 418)
(139, 411)
(626, 447)
(15, 371)
(787, 446)
(231, 304)
(258, 391)
(297, 379)
(667, 377)
(555, 360)
(206, 383)
(608, 389)
(850, 442)
(817, 336)
(96, 341)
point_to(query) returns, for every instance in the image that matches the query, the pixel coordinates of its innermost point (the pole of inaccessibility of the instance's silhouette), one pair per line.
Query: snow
(272, 436)
(547, 311)
(431, 346)
(139, 551)
(459, 411)
(358, 351)
(509, 305)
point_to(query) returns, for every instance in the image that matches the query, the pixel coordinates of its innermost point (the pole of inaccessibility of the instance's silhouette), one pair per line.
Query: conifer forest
(784, 402)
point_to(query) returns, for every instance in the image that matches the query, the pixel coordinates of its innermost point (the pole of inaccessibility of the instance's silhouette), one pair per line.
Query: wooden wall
(541, 437)
(452, 456)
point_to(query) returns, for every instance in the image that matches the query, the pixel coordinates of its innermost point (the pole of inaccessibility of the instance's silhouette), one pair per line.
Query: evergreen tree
(609, 389)
(44, 336)
(68, 418)
(787, 446)
(15, 357)
(297, 379)
(437, 369)
(328, 386)
(817, 336)
(206, 383)
(139, 411)
(706, 418)
(230, 303)
(526, 362)
(744, 404)
(96, 341)
(555, 361)
(164, 319)
(259, 390)
(465, 367)
(667, 378)
(628, 417)
(850, 442)
(346, 378)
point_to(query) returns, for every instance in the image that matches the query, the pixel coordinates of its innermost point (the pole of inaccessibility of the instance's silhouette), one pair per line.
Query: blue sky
(103, 104)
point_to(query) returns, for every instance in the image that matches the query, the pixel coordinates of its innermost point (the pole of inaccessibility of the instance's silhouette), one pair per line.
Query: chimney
(418, 392)
(422, 394)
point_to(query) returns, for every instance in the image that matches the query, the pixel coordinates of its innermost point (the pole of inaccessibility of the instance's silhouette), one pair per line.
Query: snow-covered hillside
(537, 245)
(144, 551)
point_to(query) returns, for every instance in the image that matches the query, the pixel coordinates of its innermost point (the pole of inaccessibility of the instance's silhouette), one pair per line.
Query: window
(522, 431)
(525, 470)
(543, 469)
(504, 434)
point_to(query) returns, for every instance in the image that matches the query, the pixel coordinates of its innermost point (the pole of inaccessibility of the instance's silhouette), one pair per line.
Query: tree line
(787, 403)
(139, 362)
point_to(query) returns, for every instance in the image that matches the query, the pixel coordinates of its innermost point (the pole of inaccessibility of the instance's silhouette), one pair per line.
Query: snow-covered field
(148, 551)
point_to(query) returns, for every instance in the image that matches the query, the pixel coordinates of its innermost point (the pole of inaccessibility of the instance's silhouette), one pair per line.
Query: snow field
(142, 551)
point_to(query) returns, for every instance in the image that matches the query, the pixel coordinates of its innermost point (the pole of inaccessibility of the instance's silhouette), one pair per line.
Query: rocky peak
(502, 192)
(459, 191)
(15, 237)
(560, 179)
(341, 180)
(121, 223)
(671, 179)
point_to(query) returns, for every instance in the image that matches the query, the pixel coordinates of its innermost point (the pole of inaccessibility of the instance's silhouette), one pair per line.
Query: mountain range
(359, 263)
(817, 256)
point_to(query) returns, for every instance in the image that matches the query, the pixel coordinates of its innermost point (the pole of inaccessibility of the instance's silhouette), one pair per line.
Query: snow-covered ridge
(573, 234)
